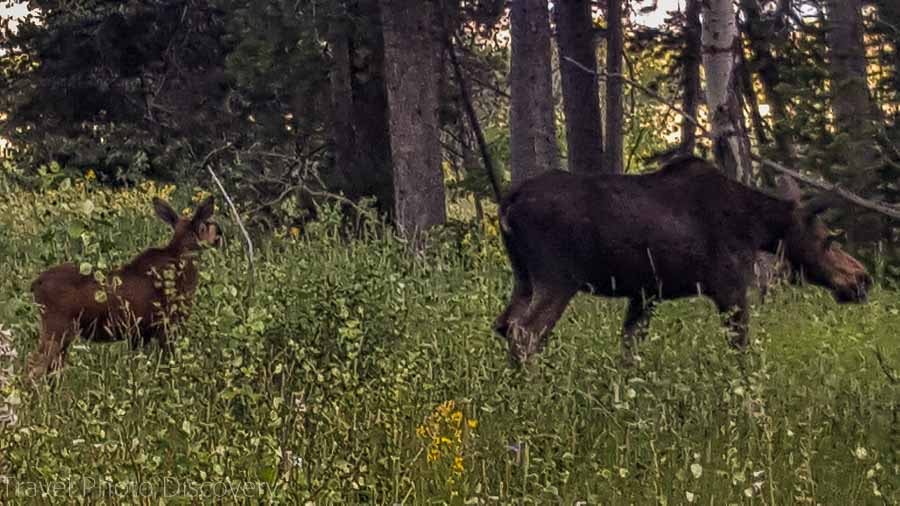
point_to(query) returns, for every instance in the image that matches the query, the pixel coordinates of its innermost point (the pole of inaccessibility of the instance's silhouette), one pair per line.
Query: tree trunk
(371, 172)
(690, 82)
(615, 111)
(855, 112)
(532, 121)
(411, 77)
(730, 143)
(581, 94)
(341, 81)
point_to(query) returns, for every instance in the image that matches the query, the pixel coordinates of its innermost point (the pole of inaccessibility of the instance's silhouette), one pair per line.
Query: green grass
(313, 387)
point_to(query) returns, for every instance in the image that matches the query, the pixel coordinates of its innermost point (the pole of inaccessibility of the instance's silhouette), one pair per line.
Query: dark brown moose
(139, 301)
(683, 231)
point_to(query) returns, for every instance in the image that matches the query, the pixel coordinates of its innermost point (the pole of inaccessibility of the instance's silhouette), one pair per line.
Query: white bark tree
(720, 57)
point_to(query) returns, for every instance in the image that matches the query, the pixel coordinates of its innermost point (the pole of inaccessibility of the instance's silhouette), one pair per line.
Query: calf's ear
(205, 211)
(165, 212)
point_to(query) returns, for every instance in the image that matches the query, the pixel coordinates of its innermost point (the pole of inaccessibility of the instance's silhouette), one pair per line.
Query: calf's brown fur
(683, 231)
(138, 301)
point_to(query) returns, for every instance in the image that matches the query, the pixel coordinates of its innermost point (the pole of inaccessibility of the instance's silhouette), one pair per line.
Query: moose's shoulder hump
(688, 165)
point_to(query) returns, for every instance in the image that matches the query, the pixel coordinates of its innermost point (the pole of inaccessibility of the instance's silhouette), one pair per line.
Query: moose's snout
(212, 235)
(857, 293)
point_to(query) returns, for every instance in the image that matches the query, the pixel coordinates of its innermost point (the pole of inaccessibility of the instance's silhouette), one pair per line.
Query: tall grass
(330, 383)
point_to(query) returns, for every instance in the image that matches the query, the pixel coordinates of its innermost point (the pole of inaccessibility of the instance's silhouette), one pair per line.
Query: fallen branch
(234, 213)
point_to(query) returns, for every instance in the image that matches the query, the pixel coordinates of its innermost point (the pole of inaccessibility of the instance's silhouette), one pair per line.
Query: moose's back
(622, 235)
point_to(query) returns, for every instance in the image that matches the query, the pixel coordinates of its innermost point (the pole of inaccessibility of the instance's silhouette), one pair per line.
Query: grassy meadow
(354, 372)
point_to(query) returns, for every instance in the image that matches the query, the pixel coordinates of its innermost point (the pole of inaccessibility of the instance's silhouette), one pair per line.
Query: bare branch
(606, 76)
(831, 188)
(234, 213)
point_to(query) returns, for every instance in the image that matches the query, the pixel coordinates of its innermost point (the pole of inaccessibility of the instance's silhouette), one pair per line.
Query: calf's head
(813, 250)
(194, 233)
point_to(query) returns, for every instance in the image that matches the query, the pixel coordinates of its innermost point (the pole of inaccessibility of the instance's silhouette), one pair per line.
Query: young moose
(138, 301)
(685, 230)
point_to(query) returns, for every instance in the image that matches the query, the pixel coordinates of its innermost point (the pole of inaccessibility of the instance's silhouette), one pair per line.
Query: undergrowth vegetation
(355, 372)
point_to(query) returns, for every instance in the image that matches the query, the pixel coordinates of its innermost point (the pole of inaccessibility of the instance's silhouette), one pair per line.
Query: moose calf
(137, 301)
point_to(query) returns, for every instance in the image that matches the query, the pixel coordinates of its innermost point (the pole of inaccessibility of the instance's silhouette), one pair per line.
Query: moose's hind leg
(518, 304)
(637, 323)
(734, 306)
(528, 334)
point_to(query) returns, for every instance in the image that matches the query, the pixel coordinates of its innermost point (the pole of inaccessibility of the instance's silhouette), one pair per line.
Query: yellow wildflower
(472, 423)
(458, 464)
(199, 194)
(456, 418)
(295, 232)
(433, 455)
(90, 175)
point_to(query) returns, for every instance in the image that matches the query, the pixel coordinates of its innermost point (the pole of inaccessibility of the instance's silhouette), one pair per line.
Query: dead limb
(831, 188)
(234, 213)
(470, 112)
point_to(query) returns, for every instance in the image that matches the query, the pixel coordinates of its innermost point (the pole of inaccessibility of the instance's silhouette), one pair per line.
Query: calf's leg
(57, 333)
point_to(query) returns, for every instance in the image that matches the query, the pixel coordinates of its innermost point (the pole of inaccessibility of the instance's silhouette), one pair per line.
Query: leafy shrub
(330, 380)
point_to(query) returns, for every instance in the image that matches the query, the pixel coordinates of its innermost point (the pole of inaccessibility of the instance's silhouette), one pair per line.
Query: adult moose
(138, 301)
(683, 231)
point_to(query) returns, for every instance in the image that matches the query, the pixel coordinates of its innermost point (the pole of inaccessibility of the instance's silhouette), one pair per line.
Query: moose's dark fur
(137, 301)
(682, 231)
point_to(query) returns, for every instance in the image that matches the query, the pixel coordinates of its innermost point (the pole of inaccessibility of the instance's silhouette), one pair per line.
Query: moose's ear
(165, 212)
(205, 211)
(788, 189)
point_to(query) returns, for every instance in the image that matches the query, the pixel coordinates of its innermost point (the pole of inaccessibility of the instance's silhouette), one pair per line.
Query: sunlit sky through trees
(652, 19)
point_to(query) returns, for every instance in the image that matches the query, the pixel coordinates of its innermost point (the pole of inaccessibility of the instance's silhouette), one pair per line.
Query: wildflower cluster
(446, 431)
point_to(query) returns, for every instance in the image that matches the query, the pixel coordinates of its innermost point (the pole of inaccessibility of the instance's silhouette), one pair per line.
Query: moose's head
(815, 252)
(194, 233)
